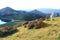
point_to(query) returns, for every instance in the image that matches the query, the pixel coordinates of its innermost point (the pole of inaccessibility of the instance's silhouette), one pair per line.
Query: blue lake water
(2, 22)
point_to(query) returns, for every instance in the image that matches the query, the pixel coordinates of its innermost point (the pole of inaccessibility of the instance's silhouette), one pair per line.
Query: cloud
(30, 4)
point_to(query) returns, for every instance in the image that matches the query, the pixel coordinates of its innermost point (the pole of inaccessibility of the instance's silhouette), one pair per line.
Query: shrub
(38, 23)
(7, 29)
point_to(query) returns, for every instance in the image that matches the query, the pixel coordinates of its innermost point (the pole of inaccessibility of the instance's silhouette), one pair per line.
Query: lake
(2, 22)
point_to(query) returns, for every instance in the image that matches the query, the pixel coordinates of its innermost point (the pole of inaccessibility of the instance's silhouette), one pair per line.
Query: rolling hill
(9, 13)
(50, 32)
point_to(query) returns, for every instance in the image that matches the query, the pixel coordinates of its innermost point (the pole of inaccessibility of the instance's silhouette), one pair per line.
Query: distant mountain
(37, 12)
(32, 15)
(49, 10)
(9, 13)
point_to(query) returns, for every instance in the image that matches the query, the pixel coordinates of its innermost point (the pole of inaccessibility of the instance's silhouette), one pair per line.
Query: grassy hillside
(51, 32)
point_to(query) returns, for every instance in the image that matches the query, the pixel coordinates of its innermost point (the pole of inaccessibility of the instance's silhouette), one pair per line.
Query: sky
(30, 4)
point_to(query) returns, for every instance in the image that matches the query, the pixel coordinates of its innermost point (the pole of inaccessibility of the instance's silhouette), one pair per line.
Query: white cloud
(30, 4)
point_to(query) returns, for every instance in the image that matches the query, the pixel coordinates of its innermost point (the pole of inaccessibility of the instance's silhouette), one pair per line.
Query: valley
(32, 25)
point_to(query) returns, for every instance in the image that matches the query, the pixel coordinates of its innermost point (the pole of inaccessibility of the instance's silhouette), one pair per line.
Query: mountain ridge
(10, 13)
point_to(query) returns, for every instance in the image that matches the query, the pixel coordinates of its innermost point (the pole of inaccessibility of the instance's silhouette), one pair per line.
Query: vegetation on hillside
(50, 32)
(27, 17)
(9, 27)
(38, 23)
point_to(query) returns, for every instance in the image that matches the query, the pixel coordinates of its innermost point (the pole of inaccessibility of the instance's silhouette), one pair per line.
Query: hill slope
(52, 32)
(9, 13)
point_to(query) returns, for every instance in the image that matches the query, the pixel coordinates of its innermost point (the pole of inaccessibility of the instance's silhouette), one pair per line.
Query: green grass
(51, 32)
